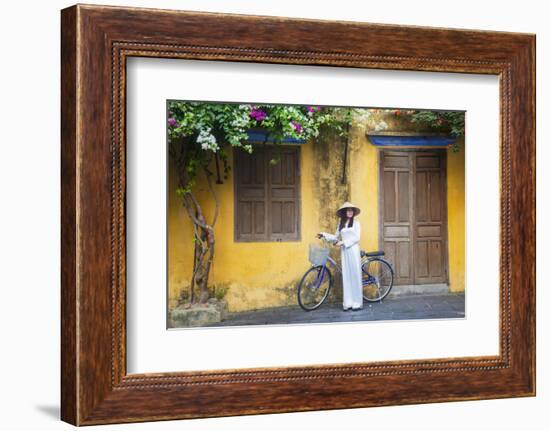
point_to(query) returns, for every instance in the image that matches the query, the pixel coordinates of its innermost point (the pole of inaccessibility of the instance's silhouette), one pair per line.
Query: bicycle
(315, 285)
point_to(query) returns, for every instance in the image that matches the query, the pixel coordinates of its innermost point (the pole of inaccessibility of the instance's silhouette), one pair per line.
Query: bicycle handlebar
(323, 239)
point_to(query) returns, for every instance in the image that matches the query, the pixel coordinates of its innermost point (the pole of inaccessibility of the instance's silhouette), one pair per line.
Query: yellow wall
(364, 186)
(264, 274)
(257, 274)
(456, 218)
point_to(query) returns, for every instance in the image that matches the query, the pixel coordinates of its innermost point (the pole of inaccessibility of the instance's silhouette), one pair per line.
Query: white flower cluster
(236, 138)
(309, 128)
(363, 114)
(240, 121)
(207, 140)
(382, 125)
(294, 111)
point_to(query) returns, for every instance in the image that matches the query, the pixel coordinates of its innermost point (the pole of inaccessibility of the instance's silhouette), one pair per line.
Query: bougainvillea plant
(445, 122)
(200, 136)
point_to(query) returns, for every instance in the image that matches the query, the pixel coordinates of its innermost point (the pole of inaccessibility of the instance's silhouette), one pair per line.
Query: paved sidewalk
(404, 307)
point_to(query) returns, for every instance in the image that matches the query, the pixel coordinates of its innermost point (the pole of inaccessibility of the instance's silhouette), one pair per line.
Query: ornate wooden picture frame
(96, 41)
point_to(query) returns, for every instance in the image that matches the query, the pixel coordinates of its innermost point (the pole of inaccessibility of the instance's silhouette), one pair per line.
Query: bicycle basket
(318, 255)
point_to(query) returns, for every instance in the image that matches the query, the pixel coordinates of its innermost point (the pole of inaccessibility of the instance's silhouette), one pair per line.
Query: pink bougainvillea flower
(313, 109)
(297, 126)
(172, 122)
(258, 114)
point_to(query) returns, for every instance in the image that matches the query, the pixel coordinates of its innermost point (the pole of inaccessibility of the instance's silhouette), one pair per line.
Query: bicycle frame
(368, 280)
(321, 274)
(365, 281)
(333, 263)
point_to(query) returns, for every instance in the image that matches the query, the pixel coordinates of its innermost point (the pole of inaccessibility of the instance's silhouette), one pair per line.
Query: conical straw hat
(346, 205)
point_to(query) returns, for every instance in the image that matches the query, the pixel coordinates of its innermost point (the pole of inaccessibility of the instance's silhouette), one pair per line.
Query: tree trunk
(204, 240)
(203, 232)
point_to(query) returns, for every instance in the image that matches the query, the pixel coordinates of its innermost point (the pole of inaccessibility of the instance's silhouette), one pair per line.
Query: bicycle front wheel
(377, 279)
(314, 287)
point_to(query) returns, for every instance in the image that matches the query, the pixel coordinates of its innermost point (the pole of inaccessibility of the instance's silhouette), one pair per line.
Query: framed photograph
(265, 214)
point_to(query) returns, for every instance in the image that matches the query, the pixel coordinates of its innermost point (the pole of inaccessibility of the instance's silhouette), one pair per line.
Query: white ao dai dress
(351, 263)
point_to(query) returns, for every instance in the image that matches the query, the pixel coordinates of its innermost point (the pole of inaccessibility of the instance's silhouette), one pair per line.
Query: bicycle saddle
(372, 253)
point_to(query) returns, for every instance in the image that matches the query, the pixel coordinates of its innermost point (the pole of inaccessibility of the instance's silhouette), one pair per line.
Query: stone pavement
(402, 307)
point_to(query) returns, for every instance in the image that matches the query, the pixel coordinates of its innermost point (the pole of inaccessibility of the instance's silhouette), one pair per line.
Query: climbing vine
(200, 136)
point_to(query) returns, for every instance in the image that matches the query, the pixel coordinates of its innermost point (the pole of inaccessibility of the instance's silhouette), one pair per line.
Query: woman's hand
(319, 235)
(339, 243)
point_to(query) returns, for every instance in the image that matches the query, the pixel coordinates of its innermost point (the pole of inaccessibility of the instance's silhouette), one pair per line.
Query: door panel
(421, 258)
(389, 196)
(397, 213)
(413, 219)
(421, 207)
(435, 259)
(429, 234)
(403, 196)
(435, 195)
(404, 259)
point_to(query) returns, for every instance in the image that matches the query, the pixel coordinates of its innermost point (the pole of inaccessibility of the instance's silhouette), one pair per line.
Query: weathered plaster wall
(265, 274)
(456, 207)
(363, 169)
(258, 274)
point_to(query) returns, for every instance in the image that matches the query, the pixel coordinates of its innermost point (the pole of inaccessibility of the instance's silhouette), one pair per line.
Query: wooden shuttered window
(267, 197)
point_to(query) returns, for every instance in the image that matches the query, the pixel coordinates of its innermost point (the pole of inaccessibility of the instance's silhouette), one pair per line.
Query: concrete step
(419, 289)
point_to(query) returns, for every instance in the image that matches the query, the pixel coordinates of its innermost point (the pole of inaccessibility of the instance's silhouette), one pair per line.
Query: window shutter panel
(283, 195)
(251, 195)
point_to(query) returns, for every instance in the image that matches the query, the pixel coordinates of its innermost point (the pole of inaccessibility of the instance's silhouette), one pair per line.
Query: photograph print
(307, 214)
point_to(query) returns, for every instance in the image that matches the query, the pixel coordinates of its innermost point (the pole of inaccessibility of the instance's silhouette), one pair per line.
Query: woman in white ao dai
(347, 236)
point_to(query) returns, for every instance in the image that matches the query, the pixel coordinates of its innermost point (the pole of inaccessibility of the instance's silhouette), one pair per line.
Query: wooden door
(413, 215)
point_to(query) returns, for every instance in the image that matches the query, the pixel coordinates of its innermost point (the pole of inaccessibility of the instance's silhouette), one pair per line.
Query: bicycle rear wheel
(314, 287)
(377, 279)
